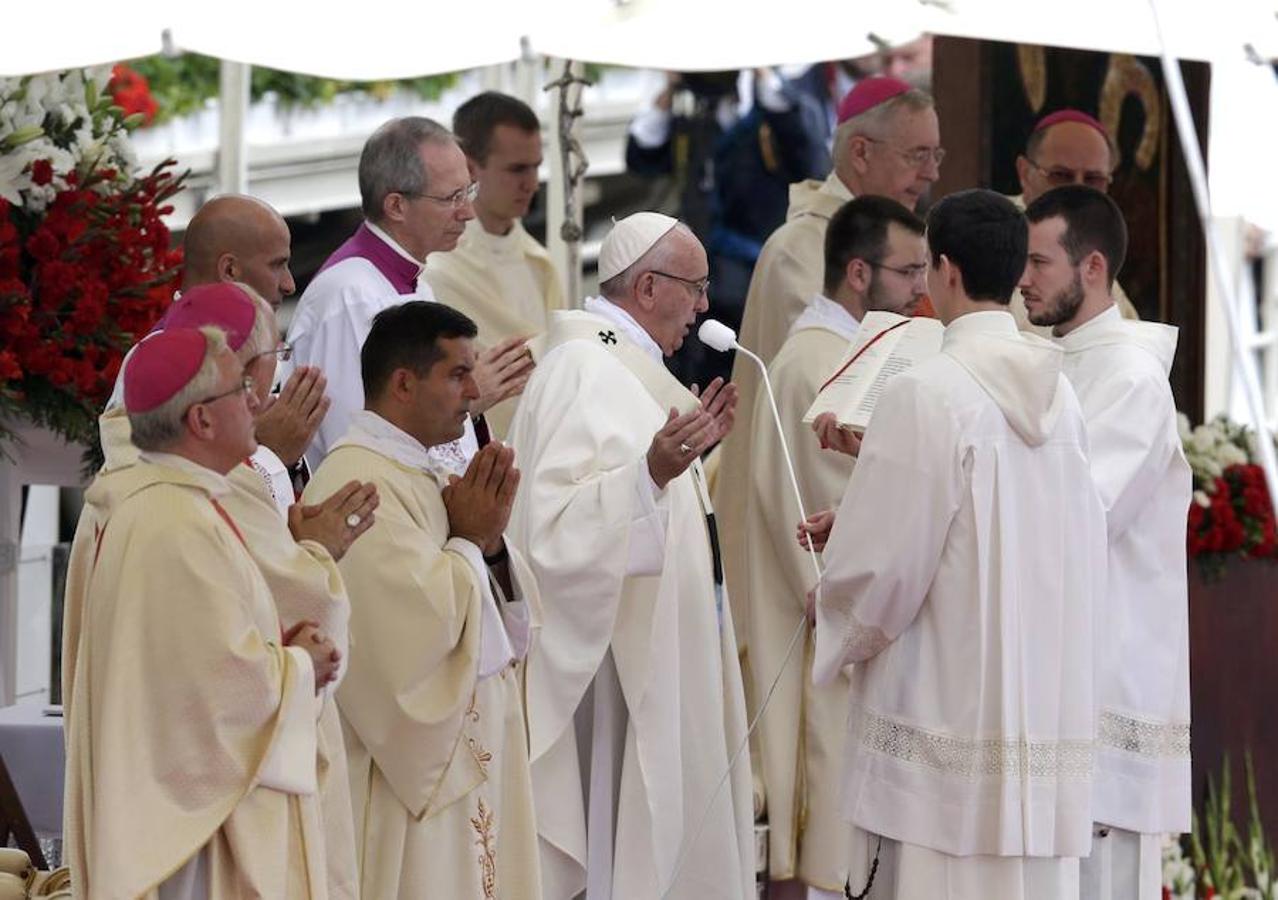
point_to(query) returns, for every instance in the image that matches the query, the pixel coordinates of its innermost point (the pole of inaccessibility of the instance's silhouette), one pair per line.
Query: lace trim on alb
(1141, 737)
(969, 758)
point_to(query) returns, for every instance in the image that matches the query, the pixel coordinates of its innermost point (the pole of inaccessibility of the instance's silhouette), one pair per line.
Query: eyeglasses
(245, 386)
(700, 285)
(284, 351)
(457, 199)
(917, 157)
(1059, 176)
(912, 272)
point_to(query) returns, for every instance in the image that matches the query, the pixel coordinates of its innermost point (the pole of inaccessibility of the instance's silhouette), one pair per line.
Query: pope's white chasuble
(634, 695)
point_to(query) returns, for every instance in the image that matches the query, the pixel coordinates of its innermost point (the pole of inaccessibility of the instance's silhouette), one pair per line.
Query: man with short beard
(1119, 369)
(1065, 147)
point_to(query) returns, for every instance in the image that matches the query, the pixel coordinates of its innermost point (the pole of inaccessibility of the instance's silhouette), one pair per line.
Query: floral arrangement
(86, 265)
(1222, 863)
(1231, 514)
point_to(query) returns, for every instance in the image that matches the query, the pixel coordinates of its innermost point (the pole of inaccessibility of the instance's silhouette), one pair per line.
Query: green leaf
(22, 136)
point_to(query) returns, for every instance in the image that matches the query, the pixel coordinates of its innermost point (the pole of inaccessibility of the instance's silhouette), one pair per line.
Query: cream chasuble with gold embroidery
(431, 703)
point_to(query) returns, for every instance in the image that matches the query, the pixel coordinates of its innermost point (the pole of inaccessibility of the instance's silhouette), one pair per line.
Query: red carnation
(41, 172)
(43, 245)
(10, 370)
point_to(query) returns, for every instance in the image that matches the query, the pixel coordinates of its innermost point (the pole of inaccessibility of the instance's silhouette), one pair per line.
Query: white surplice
(328, 330)
(962, 572)
(1119, 370)
(633, 692)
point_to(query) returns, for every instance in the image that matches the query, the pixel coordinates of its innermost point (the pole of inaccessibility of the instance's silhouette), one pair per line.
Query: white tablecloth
(32, 747)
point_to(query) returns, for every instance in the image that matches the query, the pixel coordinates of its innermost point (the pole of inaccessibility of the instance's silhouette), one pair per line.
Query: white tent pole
(232, 155)
(1243, 359)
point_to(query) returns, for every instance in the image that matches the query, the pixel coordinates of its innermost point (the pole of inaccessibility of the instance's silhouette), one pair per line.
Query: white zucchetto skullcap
(630, 239)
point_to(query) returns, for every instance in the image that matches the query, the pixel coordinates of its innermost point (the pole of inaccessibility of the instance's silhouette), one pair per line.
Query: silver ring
(685, 448)
(353, 520)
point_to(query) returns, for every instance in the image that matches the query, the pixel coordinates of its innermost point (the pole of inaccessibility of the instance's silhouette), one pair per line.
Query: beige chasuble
(191, 736)
(304, 584)
(506, 283)
(638, 804)
(800, 737)
(430, 705)
(789, 272)
(1017, 306)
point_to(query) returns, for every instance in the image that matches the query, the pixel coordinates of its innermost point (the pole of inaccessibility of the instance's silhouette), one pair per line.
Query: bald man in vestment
(191, 712)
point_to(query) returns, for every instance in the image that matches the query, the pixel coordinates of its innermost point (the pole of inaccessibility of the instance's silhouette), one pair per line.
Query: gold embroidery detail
(970, 758)
(482, 756)
(471, 712)
(483, 824)
(1142, 737)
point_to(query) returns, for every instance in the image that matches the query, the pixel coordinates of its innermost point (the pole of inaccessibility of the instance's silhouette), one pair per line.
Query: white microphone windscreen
(717, 336)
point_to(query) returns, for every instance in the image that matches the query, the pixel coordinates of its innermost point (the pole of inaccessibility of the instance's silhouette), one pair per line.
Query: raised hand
(479, 502)
(287, 423)
(834, 436)
(501, 372)
(678, 443)
(336, 522)
(720, 401)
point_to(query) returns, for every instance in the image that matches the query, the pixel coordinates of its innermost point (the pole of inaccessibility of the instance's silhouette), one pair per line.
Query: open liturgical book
(885, 345)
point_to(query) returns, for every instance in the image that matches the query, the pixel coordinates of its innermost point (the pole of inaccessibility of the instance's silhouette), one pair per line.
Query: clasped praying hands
(286, 423)
(326, 659)
(479, 502)
(338, 521)
(501, 372)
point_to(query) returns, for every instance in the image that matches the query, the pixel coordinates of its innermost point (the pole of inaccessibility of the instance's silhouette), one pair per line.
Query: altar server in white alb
(416, 195)
(962, 574)
(633, 690)
(441, 615)
(1119, 369)
(875, 259)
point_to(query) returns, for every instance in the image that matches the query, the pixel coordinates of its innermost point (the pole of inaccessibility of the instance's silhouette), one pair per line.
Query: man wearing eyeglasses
(633, 688)
(191, 713)
(875, 259)
(1065, 147)
(887, 143)
(499, 275)
(417, 196)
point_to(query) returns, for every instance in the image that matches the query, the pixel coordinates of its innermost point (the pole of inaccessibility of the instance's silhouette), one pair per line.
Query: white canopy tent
(381, 39)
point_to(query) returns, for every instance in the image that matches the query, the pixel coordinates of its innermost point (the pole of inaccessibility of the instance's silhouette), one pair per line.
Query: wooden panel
(1233, 672)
